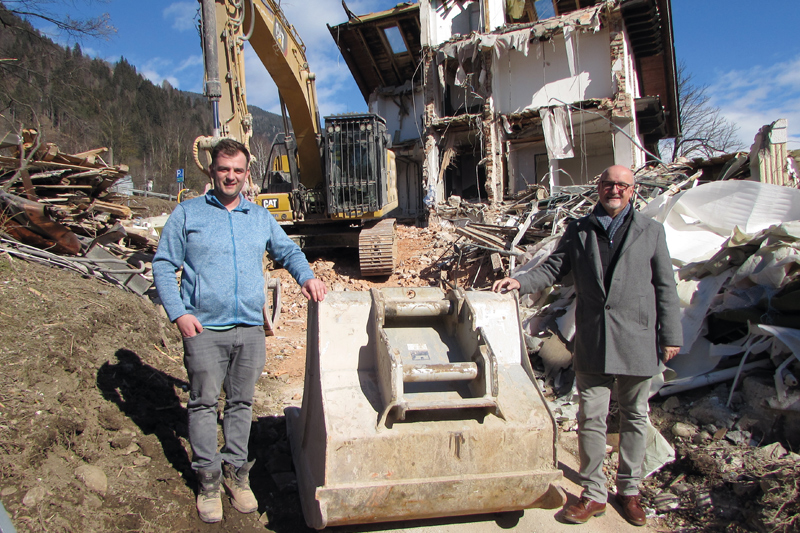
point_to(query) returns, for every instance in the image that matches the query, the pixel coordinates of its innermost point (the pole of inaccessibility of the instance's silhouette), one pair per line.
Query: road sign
(179, 175)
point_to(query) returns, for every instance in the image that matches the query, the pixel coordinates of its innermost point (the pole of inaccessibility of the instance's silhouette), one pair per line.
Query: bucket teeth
(377, 249)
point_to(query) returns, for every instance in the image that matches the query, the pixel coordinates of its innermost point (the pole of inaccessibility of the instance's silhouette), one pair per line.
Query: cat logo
(270, 203)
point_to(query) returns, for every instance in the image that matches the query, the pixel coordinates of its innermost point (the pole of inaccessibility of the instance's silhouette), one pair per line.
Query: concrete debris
(93, 477)
(681, 429)
(34, 496)
(58, 208)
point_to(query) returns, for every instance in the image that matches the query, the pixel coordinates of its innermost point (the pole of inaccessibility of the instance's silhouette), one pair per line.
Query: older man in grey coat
(627, 319)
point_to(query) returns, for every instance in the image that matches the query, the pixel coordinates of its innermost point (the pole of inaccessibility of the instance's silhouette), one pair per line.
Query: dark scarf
(611, 225)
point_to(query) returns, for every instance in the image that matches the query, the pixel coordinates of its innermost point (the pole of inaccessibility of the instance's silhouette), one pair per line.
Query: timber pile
(55, 177)
(58, 208)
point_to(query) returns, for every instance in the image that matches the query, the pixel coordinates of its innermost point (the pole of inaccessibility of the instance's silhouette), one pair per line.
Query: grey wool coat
(618, 332)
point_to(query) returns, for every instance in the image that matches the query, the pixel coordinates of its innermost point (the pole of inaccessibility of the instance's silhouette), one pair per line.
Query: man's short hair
(230, 148)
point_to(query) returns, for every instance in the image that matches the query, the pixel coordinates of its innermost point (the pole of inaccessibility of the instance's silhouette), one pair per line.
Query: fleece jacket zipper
(235, 272)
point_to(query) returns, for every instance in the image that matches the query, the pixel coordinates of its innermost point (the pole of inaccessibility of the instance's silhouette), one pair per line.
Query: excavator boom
(227, 24)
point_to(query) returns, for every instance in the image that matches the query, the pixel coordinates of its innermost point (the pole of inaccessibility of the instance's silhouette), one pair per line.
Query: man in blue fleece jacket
(219, 240)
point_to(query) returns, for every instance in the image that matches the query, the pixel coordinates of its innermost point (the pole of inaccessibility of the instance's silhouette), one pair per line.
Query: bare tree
(705, 132)
(259, 148)
(76, 28)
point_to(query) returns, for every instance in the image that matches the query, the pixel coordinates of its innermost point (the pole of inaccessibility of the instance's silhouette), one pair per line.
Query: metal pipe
(252, 21)
(711, 378)
(440, 372)
(417, 309)
(209, 36)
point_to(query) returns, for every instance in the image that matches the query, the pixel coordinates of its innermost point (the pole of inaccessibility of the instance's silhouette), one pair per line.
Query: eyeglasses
(608, 185)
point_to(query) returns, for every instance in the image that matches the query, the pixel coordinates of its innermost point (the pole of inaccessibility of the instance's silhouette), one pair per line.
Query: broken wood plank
(114, 209)
(90, 156)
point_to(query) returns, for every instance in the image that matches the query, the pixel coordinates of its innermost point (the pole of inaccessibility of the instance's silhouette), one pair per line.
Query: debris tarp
(700, 220)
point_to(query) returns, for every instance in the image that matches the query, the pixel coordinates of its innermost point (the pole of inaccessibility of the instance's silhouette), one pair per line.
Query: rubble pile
(735, 246)
(724, 476)
(738, 285)
(58, 208)
(497, 236)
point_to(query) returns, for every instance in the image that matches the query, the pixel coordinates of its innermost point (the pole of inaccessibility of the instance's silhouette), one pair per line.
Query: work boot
(581, 511)
(209, 500)
(237, 483)
(632, 509)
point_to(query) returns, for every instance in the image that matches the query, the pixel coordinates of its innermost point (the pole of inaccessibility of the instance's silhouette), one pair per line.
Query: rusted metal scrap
(33, 222)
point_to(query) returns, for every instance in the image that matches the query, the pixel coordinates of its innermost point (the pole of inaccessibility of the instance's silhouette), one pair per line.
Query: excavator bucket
(420, 404)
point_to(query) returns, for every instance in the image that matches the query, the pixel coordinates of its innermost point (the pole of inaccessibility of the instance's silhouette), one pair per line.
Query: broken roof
(381, 49)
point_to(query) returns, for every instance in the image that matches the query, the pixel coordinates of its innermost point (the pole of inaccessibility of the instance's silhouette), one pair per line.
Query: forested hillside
(81, 103)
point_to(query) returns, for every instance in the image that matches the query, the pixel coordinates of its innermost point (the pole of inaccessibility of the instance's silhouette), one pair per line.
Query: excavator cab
(360, 168)
(281, 173)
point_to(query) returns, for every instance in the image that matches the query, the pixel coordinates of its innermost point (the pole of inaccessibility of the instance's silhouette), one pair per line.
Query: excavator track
(377, 248)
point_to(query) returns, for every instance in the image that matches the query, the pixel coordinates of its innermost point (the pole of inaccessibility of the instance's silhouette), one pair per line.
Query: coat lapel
(634, 231)
(592, 251)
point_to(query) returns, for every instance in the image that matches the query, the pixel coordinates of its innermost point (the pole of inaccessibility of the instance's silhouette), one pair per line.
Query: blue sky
(748, 57)
(748, 54)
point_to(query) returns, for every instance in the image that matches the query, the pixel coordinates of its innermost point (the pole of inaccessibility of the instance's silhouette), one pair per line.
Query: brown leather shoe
(581, 511)
(632, 509)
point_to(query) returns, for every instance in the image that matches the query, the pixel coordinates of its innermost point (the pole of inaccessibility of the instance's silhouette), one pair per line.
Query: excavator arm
(226, 25)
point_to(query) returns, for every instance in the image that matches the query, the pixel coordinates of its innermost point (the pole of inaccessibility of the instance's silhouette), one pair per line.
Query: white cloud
(759, 95)
(191, 61)
(333, 92)
(182, 15)
(53, 33)
(91, 52)
(158, 69)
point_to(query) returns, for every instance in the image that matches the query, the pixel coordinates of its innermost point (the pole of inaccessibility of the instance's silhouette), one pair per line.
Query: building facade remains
(486, 98)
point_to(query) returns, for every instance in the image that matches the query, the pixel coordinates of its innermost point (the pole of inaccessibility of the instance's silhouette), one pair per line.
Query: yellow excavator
(329, 188)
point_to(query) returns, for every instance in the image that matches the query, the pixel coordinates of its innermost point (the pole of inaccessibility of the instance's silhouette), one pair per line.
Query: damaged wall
(443, 19)
(493, 116)
(403, 111)
(546, 76)
(563, 88)
(592, 148)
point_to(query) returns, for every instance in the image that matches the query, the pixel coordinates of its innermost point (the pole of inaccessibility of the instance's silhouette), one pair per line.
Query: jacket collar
(244, 204)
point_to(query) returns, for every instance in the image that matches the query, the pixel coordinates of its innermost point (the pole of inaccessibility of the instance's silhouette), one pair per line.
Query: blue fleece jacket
(221, 251)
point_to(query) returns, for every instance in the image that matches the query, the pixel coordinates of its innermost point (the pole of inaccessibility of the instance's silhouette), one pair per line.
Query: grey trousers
(595, 393)
(233, 359)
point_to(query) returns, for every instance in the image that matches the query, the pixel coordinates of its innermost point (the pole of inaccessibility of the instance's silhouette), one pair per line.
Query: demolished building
(485, 98)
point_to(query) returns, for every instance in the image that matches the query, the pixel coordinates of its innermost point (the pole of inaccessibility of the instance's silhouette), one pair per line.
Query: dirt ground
(93, 427)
